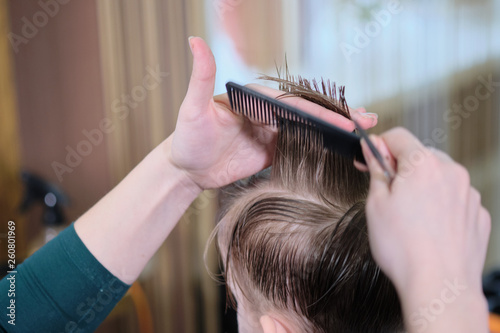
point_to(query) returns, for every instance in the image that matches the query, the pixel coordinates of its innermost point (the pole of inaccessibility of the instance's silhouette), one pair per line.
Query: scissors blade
(387, 170)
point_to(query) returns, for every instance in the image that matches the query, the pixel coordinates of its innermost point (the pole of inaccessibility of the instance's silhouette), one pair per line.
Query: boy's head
(294, 240)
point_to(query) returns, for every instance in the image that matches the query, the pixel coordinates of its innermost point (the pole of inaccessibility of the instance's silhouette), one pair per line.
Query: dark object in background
(229, 317)
(37, 190)
(491, 289)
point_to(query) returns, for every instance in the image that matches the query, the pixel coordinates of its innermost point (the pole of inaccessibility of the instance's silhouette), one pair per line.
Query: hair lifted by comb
(294, 240)
(323, 93)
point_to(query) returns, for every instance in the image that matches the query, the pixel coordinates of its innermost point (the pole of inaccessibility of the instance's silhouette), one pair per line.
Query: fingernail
(190, 45)
(370, 115)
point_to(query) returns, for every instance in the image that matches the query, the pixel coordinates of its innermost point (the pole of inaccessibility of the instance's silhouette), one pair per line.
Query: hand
(214, 146)
(428, 226)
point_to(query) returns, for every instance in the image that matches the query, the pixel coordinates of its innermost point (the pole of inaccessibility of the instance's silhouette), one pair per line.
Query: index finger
(307, 106)
(401, 142)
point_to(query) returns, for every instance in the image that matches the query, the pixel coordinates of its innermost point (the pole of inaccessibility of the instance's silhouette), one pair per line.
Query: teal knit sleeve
(61, 288)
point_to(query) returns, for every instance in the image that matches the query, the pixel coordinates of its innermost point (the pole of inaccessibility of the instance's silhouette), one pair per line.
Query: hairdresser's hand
(429, 234)
(214, 146)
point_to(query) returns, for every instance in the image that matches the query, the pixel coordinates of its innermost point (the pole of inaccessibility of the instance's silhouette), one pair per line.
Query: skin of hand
(427, 231)
(209, 148)
(214, 146)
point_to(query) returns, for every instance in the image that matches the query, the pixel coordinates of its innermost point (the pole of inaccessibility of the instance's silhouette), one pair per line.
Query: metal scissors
(388, 172)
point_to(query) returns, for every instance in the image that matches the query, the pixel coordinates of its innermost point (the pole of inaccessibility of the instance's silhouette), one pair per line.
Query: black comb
(269, 111)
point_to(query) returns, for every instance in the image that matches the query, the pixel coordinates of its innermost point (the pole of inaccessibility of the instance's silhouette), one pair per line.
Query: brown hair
(294, 238)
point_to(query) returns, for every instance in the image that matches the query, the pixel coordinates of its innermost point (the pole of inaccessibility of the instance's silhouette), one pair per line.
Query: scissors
(388, 172)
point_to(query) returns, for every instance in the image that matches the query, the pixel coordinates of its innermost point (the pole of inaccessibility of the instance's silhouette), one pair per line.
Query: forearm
(60, 288)
(448, 306)
(126, 227)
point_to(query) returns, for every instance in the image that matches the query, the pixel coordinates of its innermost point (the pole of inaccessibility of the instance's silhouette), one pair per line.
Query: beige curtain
(138, 38)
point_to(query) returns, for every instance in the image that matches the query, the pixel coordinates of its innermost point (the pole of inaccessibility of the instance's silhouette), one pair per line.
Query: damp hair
(293, 238)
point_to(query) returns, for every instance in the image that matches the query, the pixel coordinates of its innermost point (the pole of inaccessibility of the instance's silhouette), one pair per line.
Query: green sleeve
(60, 288)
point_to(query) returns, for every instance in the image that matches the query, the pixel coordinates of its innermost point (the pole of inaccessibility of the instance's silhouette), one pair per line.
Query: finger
(360, 166)
(401, 143)
(365, 119)
(202, 82)
(484, 224)
(387, 156)
(473, 205)
(307, 106)
(223, 99)
(477, 214)
(441, 155)
(378, 181)
(360, 109)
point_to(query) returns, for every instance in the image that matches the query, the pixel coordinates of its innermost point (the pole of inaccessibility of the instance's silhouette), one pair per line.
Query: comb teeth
(269, 111)
(259, 107)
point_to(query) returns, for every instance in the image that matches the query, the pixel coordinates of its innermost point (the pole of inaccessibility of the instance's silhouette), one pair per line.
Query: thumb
(201, 85)
(379, 184)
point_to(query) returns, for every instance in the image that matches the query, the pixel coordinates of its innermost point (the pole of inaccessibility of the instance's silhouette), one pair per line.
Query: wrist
(136, 217)
(181, 174)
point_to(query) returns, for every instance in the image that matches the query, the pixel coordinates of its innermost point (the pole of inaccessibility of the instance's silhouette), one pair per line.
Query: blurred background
(89, 87)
